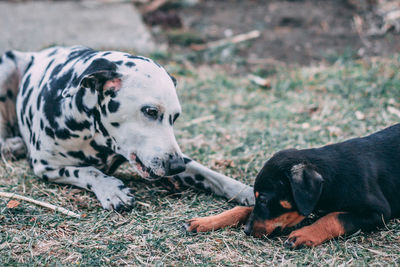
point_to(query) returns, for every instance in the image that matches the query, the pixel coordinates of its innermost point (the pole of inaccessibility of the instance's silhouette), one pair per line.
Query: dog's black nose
(175, 165)
(248, 230)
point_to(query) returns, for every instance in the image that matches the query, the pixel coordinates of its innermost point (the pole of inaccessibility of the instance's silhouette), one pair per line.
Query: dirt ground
(296, 31)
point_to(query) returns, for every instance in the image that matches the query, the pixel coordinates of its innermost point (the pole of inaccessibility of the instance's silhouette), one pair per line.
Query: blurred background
(241, 34)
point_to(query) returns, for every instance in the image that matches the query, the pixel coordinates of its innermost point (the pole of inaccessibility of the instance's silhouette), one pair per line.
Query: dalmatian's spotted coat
(79, 113)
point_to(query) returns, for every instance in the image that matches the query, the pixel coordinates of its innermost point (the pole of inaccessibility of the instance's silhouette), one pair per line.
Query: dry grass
(305, 107)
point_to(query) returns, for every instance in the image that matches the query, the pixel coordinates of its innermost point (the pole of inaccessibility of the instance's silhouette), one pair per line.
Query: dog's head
(286, 190)
(135, 110)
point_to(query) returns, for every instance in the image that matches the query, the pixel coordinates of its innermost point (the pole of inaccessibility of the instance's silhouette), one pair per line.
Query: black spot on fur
(76, 173)
(30, 114)
(73, 125)
(102, 151)
(103, 110)
(175, 117)
(189, 180)
(30, 64)
(81, 156)
(130, 64)
(45, 72)
(119, 62)
(110, 92)
(186, 160)
(49, 132)
(81, 53)
(137, 57)
(200, 186)
(79, 101)
(49, 169)
(61, 172)
(38, 145)
(64, 134)
(10, 55)
(25, 102)
(98, 124)
(45, 177)
(113, 106)
(106, 54)
(52, 53)
(41, 125)
(170, 120)
(3, 99)
(67, 173)
(10, 94)
(26, 84)
(44, 162)
(118, 160)
(38, 101)
(52, 105)
(89, 186)
(199, 177)
(115, 124)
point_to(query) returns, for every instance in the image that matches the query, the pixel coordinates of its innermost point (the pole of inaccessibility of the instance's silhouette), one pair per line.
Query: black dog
(355, 183)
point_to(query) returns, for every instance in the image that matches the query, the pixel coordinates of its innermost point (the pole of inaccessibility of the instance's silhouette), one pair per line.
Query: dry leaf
(260, 81)
(225, 163)
(12, 204)
(359, 115)
(394, 111)
(334, 131)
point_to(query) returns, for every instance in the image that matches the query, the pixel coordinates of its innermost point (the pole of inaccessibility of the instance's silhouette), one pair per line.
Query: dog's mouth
(144, 171)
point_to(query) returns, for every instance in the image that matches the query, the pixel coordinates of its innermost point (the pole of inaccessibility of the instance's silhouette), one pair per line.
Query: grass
(305, 107)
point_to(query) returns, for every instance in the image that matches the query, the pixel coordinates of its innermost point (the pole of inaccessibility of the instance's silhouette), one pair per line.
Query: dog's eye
(150, 112)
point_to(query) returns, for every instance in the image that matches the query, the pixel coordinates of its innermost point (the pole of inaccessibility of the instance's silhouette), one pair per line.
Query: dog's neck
(85, 108)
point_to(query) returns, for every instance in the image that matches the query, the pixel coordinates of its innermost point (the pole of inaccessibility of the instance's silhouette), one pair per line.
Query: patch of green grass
(305, 107)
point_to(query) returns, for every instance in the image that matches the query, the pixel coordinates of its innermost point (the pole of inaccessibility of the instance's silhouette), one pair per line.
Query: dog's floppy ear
(100, 81)
(99, 76)
(306, 186)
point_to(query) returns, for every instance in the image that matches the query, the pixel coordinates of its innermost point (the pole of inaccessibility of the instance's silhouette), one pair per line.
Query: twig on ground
(199, 120)
(260, 81)
(153, 6)
(266, 61)
(231, 40)
(40, 203)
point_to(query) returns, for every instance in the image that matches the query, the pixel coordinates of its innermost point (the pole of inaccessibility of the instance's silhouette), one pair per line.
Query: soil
(302, 31)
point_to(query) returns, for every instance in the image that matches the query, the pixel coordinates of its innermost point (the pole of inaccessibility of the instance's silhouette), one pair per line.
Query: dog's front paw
(13, 148)
(302, 238)
(197, 225)
(243, 196)
(118, 198)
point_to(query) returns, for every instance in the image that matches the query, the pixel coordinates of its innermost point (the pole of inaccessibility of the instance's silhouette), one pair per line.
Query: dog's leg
(333, 225)
(233, 218)
(200, 177)
(12, 68)
(110, 191)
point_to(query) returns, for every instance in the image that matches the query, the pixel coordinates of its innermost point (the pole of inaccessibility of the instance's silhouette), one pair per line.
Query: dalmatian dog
(78, 114)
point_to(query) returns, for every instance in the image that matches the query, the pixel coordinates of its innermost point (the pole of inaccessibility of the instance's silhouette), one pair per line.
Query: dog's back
(361, 170)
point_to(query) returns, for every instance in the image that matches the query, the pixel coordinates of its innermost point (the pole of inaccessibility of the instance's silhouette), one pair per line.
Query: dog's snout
(175, 165)
(248, 229)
